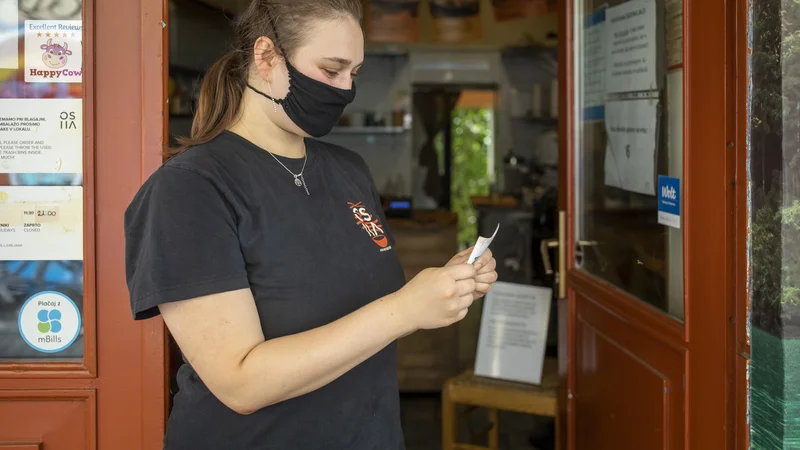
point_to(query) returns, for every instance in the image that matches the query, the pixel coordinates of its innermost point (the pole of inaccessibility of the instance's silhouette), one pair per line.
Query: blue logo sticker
(669, 201)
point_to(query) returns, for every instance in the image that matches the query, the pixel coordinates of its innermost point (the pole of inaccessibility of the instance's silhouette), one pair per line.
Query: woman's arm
(221, 337)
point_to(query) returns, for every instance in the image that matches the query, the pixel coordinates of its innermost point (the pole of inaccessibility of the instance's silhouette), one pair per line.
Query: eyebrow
(342, 61)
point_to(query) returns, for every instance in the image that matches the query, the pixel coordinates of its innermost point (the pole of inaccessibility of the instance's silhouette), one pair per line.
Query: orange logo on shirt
(369, 223)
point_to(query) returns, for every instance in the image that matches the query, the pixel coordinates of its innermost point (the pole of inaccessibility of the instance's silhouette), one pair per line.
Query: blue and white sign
(49, 322)
(669, 201)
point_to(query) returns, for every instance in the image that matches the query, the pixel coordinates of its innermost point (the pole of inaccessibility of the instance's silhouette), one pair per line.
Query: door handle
(547, 244)
(559, 242)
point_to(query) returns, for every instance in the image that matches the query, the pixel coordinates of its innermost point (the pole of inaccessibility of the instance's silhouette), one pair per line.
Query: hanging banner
(506, 10)
(456, 22)
(53, 51)
(393, 21)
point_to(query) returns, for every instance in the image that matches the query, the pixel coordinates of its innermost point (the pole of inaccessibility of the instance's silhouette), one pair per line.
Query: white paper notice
(632, 46)
(630, 162)
(41, 223)
(513, 333)
(41, 135)
(481, 245)
(9, 34)
(53, 51)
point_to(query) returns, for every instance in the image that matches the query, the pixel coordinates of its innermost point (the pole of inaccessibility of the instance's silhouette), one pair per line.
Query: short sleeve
(181, 242)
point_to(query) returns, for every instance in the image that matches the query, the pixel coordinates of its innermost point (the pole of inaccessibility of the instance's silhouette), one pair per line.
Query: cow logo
(55, 56)
(371, 224)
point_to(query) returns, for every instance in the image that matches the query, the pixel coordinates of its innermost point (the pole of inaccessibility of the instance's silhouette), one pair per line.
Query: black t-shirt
(225, 216)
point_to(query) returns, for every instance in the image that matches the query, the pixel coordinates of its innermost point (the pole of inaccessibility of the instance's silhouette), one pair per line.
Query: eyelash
(332, 74)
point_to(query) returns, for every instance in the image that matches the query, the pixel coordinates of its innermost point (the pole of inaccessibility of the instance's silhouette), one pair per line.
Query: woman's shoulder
(195, 171)
(345, 155)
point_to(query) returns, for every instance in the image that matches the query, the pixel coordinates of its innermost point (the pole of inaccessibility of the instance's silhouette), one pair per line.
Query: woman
(268, 257)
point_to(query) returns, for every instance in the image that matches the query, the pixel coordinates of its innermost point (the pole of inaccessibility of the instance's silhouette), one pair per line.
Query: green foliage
(472, 144)
(775, 138)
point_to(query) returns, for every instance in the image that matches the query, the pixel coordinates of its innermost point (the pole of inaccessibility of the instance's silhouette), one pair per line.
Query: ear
(265, 56)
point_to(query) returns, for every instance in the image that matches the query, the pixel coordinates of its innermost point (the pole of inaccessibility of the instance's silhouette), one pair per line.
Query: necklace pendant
(297, 182)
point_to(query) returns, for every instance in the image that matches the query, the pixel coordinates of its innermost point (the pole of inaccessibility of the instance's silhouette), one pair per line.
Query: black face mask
(313, 106)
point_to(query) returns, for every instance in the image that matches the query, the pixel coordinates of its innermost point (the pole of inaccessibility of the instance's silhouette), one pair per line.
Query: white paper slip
(481, 245)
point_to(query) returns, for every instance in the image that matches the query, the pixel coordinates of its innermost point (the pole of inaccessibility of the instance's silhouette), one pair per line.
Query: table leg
(494, 433)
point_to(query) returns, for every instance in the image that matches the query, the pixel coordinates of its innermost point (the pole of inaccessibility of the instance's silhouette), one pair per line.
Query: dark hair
(223, 84)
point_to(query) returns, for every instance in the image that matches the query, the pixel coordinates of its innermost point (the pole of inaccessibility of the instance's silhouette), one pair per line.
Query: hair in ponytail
(223, 84)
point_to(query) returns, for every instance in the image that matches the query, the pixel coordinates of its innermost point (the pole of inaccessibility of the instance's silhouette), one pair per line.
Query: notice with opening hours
(513, 332)
(41, 223)
(41, 135)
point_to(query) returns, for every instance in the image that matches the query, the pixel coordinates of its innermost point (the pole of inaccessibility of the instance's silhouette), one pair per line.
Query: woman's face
(332, 54)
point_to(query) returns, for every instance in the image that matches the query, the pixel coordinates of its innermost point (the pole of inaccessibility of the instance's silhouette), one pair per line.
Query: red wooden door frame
(122, 379)
(715, 263)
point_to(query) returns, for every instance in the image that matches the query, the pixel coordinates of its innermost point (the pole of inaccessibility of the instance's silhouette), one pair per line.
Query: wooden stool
(475, 391)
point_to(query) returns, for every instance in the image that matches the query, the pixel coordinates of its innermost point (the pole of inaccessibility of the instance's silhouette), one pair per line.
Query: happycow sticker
(53, 51)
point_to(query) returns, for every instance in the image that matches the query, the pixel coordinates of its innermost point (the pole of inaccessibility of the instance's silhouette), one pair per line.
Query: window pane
(629, 147)
(41, 180)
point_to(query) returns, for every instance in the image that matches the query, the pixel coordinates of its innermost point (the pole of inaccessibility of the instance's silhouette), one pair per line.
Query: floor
(421, 417)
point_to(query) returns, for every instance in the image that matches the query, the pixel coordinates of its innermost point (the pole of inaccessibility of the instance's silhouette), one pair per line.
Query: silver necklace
(299, 180)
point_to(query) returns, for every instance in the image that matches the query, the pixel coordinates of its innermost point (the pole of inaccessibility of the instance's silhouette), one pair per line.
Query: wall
(200, 34)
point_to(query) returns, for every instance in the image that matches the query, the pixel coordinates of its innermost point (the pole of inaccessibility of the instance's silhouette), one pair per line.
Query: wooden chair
(474, 391)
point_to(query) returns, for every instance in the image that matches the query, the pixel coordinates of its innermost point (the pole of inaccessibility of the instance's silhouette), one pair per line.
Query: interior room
(456, 116)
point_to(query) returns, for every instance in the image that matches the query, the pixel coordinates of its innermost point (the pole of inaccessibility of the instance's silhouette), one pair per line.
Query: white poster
(513, 333)
(632, 47)
(41, 223)
(53, 51)
(630, 162)
(9, 34)
(41, 135)
(594, 64)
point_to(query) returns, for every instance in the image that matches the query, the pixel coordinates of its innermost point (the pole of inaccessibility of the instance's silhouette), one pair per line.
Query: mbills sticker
(53, 51)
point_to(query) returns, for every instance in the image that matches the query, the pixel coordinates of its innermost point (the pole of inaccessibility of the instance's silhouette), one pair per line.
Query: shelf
(368, 130)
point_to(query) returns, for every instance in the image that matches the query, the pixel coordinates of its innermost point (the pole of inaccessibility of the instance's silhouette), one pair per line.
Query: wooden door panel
(55, 420)
(625, 384)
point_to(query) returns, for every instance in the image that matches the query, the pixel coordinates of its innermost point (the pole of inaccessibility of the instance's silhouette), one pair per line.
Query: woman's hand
(485, 266)
(437, 297)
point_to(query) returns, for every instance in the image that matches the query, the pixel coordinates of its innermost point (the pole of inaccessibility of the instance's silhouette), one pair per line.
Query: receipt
(481, 245)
